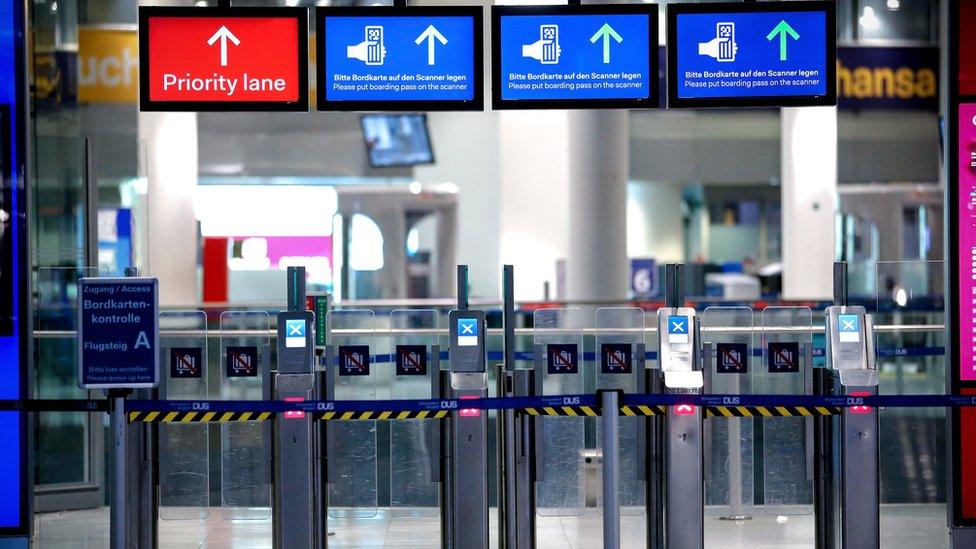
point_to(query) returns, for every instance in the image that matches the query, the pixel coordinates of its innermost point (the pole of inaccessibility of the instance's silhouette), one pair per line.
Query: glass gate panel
(558, 344)
(184, 448)
(353, 488)
(787, 369)
(245, 448)
(728, 340)
(414, 450)
(620, 365)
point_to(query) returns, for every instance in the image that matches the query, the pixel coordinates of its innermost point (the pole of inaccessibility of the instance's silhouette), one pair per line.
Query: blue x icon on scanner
(848, 323)
(679, 325)
(296, 328)
(467, 327)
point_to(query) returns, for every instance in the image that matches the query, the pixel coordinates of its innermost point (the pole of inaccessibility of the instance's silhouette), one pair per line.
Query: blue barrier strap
(45, 405)
(503, 403)
(879, 401)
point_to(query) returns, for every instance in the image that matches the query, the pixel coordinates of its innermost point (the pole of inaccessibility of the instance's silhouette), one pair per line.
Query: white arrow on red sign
(223, 34)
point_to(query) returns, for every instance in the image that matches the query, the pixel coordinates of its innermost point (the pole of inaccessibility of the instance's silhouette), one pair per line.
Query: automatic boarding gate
(303, 475)
(438, 468)
(742, 462)
(675, 469)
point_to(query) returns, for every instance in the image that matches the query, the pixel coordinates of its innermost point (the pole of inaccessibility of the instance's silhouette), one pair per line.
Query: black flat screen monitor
(394, 140)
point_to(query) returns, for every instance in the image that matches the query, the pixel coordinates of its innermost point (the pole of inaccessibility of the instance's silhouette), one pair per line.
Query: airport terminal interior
(473, 274)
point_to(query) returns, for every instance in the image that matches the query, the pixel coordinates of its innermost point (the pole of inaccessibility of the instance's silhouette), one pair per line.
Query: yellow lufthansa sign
(108, 65)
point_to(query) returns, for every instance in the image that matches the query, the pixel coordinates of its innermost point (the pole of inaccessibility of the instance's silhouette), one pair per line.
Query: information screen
(574, 57)
(397, 140)
(755, 54)
(394, 59)
(223, 59)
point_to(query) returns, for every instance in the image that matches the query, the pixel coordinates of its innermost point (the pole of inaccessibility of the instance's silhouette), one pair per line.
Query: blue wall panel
(13, 473)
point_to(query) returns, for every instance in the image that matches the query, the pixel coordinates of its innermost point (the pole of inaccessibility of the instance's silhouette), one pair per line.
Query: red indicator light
(684, 410)
(469, 412)
(861, 409)
(294, 414)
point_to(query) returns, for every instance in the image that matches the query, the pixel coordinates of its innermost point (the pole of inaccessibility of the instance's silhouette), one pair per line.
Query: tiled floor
(903, 527)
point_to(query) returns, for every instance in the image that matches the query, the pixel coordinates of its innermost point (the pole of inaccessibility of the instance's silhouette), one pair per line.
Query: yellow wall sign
(108, 65)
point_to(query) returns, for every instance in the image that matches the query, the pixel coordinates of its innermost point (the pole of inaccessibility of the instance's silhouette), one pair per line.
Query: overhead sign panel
(772, 54)
(592, 56)
(118, 333)
(223, 59)
(396, 59)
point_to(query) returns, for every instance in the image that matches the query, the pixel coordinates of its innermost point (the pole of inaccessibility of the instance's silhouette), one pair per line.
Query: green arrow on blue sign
(606, 32)
(782, 29)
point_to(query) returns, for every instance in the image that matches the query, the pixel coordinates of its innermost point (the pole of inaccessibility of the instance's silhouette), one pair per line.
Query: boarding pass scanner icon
(371, 50)
(723, 47)
(546, 49)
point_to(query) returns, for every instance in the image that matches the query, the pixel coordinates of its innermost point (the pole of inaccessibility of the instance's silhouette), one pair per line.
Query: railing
(884, 328)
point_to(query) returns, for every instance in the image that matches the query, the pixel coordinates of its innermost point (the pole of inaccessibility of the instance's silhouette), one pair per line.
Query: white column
(599, 165)
(466, 150)
(809, 201)
(655, 221)
(534, 208)
(170, 141)
(564, 196)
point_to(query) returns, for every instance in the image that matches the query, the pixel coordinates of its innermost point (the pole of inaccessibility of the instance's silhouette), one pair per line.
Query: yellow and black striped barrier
(198, 417)
(381, 415)
(564, 411)
(642, 410)
(627, 410)
(712, 411)
(771, 411)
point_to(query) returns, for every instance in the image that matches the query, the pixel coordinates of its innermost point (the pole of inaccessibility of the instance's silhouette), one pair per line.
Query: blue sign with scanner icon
(760, 54)
(580, 55)
(392, 59)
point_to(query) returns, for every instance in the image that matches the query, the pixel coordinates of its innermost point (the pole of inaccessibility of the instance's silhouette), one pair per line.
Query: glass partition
(559, 337)
(727, 336)
(910, 337)
(353, 483)
(245, 448)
